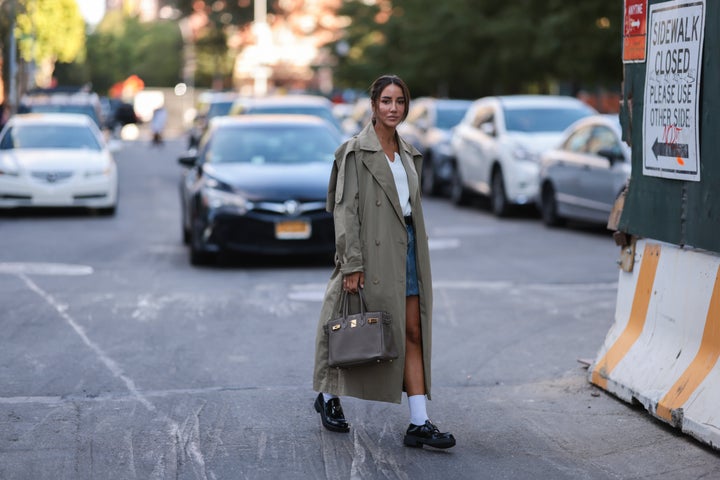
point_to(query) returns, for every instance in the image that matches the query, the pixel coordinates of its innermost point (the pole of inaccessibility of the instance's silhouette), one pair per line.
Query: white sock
(327, 397)
(418, 409)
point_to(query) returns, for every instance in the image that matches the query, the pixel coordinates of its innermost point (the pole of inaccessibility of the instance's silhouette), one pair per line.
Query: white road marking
(31, 400)
(316, 292)
(15, 268)
(307, 292)
(443, 243)
(104, 358)
(187, 438)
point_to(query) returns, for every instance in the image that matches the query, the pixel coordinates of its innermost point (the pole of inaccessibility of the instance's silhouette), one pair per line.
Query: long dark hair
(379, 85)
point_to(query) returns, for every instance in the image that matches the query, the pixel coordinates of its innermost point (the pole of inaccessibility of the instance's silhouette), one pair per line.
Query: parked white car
(583, 176)
(497, 146)
(56, 160)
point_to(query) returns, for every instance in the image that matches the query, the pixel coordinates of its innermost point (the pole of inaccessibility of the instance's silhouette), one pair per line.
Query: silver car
(583, 176)
(498, 144)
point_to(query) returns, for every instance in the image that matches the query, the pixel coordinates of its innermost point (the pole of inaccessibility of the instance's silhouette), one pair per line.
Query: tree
(121, 46)
(49, 31)
(471, 48)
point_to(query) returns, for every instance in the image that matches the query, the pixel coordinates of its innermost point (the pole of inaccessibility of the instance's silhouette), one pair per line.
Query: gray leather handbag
(359, 338)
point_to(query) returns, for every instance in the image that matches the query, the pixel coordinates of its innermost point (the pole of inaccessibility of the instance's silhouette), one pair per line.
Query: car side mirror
(612, 155)
(189, 160)
(488, 129)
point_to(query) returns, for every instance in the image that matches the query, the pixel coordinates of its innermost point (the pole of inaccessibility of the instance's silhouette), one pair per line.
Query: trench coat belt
(408, 221)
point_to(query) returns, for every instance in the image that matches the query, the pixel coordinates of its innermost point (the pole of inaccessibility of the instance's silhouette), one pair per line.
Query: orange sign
(635, 31)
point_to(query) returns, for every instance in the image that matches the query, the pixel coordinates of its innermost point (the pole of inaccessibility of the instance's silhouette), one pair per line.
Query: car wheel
(498, 199)
(458, 193)
(185, 235)
(108, 211)
(429, 179)
(548, 208)
(200, 258)
(197, 255)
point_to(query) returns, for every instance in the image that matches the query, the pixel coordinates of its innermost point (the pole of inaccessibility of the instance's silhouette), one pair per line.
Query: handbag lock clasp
(372, 320)
(353, 323)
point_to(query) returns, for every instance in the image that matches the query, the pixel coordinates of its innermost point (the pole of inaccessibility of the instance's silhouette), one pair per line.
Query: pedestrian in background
(381, 247)
(4, 114)
(157, 124)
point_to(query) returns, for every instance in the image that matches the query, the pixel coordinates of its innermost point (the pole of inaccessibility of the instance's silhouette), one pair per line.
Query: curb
(663, 348)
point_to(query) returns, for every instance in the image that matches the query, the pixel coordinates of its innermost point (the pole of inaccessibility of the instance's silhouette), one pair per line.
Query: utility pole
(12, 61)
(262, 33)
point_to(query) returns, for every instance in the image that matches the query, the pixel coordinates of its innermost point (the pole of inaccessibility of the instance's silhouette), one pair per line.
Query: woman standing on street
(381, 247)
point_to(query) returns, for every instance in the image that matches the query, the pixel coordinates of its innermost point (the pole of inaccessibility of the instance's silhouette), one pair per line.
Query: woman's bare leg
(414, 372)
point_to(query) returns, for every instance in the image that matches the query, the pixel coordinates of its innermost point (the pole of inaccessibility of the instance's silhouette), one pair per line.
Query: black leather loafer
(331, 414)
(428, 434)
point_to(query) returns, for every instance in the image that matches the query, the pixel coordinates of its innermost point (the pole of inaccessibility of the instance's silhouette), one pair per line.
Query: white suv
(497, 146)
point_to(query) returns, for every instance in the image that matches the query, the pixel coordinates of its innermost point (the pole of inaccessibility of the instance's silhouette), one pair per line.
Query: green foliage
(214, 60)
(235, 12)
(471, 48)
(50, 30)
(122, 46)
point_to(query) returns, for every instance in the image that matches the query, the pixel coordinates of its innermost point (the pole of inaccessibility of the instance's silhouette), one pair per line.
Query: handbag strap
(363, 305)
(344, 305)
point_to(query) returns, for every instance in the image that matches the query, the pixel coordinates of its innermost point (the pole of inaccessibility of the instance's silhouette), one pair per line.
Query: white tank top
(401, 183)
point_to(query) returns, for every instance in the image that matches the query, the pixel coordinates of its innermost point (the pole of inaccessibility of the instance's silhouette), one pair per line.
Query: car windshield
(218, 109)
(48, 136)
(321, 112)
(544, 119)
(449, 116)
(88, 110)
(272, 144)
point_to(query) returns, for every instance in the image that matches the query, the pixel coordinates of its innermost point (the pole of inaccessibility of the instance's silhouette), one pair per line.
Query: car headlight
(8, 168)
(525, 155)
(98, 172)
(215, 198)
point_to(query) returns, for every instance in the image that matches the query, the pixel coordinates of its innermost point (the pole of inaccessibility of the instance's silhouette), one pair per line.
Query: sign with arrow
(672, 86)
(634, 31)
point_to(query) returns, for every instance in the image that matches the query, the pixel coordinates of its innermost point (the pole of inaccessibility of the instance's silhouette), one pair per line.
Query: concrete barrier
(662, 351)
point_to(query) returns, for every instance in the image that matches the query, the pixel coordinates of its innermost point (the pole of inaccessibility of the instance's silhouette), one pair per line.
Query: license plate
(292, 230)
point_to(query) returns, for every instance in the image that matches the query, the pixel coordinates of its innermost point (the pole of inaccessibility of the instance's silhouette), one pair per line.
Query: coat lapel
(375, 161)
(408, 153)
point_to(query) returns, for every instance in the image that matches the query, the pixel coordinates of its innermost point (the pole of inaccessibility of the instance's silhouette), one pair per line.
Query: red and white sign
(635, 31)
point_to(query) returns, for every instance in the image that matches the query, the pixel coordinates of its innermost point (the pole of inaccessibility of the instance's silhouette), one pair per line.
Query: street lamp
(261, 72)
(12, 100)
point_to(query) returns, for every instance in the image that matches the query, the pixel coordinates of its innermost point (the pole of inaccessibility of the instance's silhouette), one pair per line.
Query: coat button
(377, 242)
(377, 203)
(376, 281)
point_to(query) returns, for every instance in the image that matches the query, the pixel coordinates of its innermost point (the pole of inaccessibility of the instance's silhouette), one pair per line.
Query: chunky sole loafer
(427, 434)
(331, 414)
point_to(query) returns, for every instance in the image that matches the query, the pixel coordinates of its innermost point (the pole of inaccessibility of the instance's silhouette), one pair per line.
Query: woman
(381, 247)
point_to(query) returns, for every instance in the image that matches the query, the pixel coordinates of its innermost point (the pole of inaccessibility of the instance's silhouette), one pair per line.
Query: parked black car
(210, 105)
(428, 127)
(258, 185)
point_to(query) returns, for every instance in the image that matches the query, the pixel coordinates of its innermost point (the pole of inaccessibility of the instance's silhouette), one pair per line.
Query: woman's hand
(351, 282)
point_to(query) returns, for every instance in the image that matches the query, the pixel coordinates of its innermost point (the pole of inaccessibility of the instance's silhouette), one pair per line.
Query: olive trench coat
(371, 237)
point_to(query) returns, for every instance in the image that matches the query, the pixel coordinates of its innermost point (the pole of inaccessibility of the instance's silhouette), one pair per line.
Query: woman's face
(390, 108)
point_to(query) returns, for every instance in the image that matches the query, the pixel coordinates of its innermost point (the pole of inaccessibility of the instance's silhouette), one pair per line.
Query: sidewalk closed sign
(672, 86)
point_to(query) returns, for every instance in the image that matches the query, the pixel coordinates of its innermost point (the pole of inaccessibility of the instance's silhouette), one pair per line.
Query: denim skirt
(411, 282)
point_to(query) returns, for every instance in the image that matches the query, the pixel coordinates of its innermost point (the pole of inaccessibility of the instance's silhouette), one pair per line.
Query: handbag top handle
(345, 302)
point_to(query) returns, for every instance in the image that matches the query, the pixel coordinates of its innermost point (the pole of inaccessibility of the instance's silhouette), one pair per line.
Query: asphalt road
(119, 360)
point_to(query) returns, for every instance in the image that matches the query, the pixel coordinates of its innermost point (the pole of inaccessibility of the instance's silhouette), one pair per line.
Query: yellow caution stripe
(704, 361)
(638, 315)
